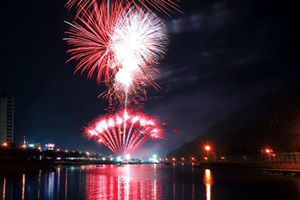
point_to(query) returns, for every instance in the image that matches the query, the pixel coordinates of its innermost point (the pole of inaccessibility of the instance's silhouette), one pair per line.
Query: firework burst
(138, 41)
(119, 43)
(165, 6)
(90, 37)
(125, 131)
(121, 47)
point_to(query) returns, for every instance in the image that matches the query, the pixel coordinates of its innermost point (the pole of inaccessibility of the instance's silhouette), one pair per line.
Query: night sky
(221, 56)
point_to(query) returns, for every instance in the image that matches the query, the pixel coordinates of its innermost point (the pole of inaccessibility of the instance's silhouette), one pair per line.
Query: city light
(267, 150)
(50, 146)
(154, 159)
(207, 147)
(127, 157)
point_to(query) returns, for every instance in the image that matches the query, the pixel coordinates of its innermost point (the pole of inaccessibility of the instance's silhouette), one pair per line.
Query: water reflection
(58, 182)
(49, 185)
(193, 184)
(208, 181)
(145, 182)
(4, 188)
(23, 187)
(174, 183)
(66, 184)
(39, 185)
(127, 182)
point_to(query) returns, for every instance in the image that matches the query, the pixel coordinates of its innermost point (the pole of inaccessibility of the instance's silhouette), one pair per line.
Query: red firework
(91, 38)
(120, 47)
(125, 131)
(165, 6)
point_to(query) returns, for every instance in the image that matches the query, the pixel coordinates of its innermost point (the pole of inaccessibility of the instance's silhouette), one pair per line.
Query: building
(6, 119)
(50, 146)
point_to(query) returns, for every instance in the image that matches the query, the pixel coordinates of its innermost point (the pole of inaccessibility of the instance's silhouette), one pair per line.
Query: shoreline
(292, 170)
(23, 166)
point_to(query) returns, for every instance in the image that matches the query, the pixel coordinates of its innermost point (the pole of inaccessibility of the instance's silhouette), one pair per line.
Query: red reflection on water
(127, 182)
(23, 186)
(39, 185)
(66, 184)
(208, 181)
(4, 189)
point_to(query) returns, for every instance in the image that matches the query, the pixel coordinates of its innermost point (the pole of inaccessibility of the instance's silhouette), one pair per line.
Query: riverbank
(23, 166)
(250, 168)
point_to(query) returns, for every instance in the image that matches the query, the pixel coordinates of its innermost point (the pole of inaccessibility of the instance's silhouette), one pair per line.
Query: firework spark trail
(110, 141)
(81, 4)
(165, 6)
(105, 138)
(139, 40)
(90, 37)
(121, 51)
(120, 44)
(107, 130)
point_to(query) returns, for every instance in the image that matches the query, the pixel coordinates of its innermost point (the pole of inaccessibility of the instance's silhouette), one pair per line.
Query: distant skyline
(6, 118)
(221, 56)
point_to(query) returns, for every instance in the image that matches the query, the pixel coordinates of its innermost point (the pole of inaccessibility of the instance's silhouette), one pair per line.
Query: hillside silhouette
(272, 121)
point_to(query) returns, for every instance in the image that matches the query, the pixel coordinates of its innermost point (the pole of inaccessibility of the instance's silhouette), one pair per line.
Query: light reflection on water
(143, 182)
(4, 188)
(66, 184)
(23, 187)
(208, 181)
(127, 182)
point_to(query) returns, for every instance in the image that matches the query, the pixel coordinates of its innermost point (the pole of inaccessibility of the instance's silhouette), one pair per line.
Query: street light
(207, 149)
(267, 150)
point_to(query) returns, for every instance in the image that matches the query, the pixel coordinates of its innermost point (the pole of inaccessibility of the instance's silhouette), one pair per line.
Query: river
(145, 182)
